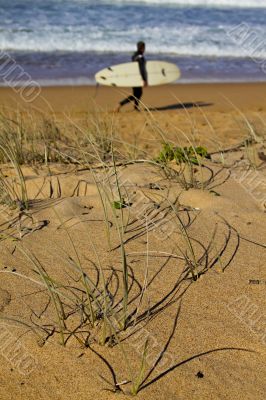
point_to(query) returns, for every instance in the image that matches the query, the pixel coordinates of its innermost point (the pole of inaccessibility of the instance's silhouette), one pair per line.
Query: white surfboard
(128, 75)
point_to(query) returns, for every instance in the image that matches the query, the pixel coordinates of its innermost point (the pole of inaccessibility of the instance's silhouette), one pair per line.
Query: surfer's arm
(142, 68)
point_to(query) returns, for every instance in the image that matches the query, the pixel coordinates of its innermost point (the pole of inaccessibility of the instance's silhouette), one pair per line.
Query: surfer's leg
(135, 98)
(137, 92)
(122, 103)
(129, 99)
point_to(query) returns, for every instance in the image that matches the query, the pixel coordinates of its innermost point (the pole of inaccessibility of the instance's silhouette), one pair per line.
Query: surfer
(138, 56)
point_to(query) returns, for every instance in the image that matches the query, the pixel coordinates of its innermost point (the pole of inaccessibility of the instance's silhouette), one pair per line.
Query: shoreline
(87, 82)
(47, 67)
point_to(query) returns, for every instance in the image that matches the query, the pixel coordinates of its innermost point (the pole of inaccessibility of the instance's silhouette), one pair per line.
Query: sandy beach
(128, 266)
(215, 109)
(213, 96)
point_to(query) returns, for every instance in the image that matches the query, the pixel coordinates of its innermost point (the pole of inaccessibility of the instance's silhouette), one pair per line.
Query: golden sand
(206, 338)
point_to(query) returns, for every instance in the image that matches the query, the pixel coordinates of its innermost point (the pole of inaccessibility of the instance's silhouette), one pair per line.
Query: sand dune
(190, 234)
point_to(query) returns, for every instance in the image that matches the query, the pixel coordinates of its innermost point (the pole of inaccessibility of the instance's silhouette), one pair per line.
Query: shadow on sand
(180, 106)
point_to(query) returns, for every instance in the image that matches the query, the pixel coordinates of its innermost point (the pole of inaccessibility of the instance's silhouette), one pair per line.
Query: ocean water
(68, 41)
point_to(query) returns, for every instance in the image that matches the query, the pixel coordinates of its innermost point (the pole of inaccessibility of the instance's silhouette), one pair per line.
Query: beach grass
(81, 306)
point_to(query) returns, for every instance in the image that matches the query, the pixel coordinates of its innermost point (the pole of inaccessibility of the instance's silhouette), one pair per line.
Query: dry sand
(208, 337)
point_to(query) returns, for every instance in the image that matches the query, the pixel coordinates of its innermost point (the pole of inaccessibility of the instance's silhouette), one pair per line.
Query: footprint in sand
(5, 298)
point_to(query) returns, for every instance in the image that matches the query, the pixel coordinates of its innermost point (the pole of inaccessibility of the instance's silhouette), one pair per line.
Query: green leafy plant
(182, 154)
(186, 159)
(119, 204)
